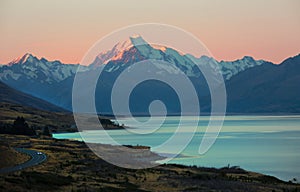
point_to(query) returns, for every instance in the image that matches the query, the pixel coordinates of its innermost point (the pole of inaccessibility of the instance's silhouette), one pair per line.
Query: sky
(65, 29)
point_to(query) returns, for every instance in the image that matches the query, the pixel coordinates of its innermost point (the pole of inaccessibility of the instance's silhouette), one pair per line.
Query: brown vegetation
(39, 119)
(10, 157)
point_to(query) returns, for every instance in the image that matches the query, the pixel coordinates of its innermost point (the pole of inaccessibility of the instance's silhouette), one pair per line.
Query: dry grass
(10, 157)
(35, 117)
(38, 119)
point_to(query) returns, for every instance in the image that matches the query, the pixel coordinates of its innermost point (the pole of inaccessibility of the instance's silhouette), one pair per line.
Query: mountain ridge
(10, 95)
(52, 81)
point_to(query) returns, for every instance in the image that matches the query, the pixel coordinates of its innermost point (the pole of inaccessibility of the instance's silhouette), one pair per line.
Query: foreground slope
(10, 157)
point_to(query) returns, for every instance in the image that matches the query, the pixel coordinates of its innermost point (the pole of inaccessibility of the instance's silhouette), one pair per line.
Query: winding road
(36, 158)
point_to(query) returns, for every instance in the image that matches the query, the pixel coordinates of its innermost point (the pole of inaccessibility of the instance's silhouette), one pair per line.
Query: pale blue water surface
(265, 144)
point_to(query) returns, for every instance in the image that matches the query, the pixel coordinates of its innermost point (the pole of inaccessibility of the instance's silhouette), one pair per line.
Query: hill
(36, 118)
(267, 88)
(10, 157)
(10, 95)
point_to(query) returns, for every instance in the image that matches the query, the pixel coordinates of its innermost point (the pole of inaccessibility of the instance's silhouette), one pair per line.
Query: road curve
(36, 158)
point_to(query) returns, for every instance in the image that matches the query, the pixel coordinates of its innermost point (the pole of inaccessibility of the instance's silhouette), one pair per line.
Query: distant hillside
(38, 119)
(38, 113)
(10, 95)
(266, 88)
(59, 121)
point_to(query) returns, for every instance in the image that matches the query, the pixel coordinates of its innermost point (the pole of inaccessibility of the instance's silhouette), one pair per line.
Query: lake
(264, 144)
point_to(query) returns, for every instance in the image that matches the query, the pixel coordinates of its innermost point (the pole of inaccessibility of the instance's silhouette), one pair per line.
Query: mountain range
(266, 88)
(253, 86)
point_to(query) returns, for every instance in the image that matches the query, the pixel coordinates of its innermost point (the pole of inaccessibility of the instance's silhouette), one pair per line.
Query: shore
(71, 166)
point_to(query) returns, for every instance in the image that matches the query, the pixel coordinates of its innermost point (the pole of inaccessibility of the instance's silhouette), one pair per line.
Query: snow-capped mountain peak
(39, 70)
(22, 59)
(231, 68)
(117, 51)
(135, 49)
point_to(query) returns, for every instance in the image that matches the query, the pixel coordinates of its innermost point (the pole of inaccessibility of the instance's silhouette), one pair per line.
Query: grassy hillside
(10, 157)
(38, 119)
(60, 121)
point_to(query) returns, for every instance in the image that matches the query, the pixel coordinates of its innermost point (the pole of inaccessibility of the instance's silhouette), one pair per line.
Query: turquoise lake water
(265, 144)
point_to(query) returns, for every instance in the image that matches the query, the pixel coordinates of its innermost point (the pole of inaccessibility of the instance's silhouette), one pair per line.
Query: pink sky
(231, 29)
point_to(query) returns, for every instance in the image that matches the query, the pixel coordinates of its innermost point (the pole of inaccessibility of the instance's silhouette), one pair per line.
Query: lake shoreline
(69, 162)
(265, 144)
(165, 155)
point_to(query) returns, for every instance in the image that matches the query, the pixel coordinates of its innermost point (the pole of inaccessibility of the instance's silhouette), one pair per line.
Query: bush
(19, 127)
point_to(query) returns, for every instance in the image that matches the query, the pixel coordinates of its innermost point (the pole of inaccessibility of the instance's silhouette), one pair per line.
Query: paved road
(36, 158)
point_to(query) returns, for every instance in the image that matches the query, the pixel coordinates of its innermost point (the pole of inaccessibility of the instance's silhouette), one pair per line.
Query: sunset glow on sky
(65, 29)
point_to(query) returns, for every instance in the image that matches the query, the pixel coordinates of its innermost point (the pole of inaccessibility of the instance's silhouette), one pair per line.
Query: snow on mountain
(49, 80)
(22, 59)
(228, 68)
(104, 57)
(5, 74)
(53, 80)
(136, 49)
(42, 70)
(118, 50)
(123, 54)
(232, 68)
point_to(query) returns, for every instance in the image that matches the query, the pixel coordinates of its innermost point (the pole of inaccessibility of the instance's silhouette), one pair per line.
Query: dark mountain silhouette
(267, 88)
(10, 95)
